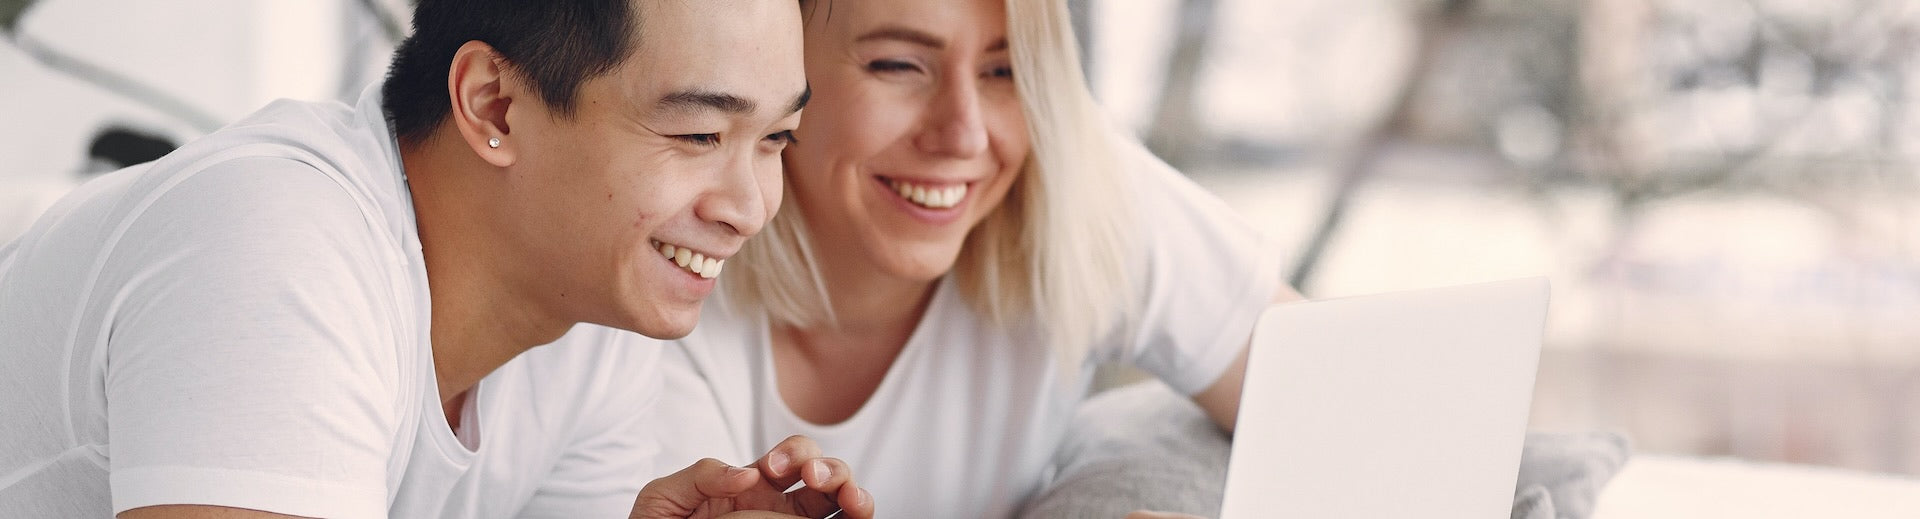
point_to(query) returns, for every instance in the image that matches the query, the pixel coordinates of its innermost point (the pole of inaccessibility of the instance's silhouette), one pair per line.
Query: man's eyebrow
(694, 100)
(800, 101)
(906, 34)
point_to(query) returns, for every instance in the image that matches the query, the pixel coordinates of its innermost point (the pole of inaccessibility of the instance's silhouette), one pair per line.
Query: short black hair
(555, 44)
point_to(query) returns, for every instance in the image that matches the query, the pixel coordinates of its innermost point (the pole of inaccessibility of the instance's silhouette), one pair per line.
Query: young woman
(963, 240)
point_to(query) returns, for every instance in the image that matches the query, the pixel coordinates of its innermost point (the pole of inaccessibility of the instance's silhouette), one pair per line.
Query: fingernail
(735, 472)
(821, 470)
(778, 461)
(865, 497)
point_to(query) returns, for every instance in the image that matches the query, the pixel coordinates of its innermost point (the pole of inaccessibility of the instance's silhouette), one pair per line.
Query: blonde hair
(1052, 256)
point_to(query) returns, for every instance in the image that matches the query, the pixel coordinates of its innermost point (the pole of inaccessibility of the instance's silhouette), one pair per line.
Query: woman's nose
(952, 125)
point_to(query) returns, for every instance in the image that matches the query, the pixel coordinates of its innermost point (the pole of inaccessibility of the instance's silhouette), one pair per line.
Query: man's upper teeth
(694, 262)
(931, 196)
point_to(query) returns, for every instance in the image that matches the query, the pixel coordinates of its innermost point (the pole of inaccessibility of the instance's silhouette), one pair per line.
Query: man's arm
(198, 512)
(252, 361)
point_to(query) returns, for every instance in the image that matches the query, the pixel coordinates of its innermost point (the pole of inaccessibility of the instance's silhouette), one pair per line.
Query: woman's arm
(1221, 400)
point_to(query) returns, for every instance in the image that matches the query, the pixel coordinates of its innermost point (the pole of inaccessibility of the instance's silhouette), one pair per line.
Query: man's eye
(783, 138)
(703, 139)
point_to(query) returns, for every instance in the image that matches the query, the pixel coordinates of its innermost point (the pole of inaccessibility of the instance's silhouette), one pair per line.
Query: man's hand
(711, 489)
(1147, 514)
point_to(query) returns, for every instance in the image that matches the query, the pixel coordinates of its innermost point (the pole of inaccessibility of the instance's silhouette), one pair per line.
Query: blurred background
(1722, 191)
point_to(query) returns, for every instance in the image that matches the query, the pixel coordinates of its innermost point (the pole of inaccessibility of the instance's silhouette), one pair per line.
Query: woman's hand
(711, 489)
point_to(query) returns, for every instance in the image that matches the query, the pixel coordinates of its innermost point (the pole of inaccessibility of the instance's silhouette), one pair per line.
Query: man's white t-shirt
(966, 421)
(244, 323)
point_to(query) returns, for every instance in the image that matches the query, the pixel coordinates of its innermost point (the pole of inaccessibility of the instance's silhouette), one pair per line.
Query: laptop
(1407, 404)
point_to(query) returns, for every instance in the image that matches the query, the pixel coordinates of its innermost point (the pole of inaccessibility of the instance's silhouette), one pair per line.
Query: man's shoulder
(293, 140)
(227, 226)
(287, 172)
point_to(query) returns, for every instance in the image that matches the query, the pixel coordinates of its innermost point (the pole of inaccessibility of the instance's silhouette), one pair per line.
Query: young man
(332, 311)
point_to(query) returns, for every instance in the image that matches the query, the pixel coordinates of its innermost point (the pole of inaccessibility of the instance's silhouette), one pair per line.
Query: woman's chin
(922, 264)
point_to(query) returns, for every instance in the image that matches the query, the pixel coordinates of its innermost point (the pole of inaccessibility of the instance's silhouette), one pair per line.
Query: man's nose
(739, 202)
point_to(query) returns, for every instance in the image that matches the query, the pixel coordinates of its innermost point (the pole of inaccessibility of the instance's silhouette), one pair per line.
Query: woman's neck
(828, 371)
(868, 301)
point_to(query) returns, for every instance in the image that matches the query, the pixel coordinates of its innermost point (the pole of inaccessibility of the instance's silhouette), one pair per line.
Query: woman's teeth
(931, 197)
(697, 263)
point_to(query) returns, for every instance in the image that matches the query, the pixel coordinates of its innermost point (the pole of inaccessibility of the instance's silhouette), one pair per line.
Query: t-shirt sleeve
(251, 357)
(1202, 276)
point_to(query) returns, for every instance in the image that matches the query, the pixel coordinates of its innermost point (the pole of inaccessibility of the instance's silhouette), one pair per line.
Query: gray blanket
(1146, 447)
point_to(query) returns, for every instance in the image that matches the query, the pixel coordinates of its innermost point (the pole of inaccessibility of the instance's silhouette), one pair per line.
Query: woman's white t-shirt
(966, 421)
(244, 323)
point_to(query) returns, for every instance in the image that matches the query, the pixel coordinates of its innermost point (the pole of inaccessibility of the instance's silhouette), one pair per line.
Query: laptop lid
(1407, 404)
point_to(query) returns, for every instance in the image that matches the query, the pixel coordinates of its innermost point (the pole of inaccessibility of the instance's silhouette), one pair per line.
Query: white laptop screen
(1408, 404)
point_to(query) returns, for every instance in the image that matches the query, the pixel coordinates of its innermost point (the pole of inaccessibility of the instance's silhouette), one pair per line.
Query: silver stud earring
(493, 142)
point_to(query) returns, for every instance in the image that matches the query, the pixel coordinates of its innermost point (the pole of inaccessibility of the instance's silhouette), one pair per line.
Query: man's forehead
(764, 26)
(705, 55)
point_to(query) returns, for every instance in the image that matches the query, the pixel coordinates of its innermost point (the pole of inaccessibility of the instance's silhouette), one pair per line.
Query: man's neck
(482, 316)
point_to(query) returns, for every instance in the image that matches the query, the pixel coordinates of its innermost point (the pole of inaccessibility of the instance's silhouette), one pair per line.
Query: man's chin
(669, 335)
(666, 327)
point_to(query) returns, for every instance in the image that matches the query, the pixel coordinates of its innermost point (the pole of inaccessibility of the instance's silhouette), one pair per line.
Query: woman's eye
(887, 65)
(703, 139)
(1000, 72)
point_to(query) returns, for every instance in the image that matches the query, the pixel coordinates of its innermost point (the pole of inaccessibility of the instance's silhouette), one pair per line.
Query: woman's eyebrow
(905, 34)
(918, 37)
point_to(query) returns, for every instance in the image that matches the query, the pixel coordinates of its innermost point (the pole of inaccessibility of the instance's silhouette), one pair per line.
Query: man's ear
(478, 85)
